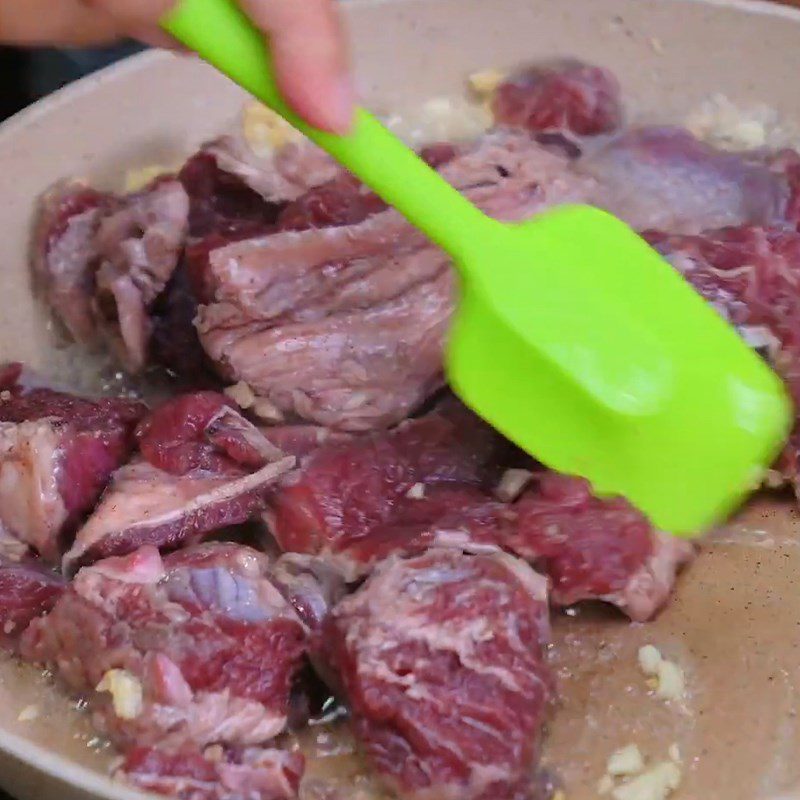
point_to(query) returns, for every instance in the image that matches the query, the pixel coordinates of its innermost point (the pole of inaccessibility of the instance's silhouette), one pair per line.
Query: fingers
(306, 39)
(138, 19)
(141, 14)
(65, 22)
(310, 57)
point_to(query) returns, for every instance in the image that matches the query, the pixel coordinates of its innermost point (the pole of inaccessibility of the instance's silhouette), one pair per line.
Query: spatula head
(582, 345)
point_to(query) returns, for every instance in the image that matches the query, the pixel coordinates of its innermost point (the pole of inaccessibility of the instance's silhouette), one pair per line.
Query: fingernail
(340, 105)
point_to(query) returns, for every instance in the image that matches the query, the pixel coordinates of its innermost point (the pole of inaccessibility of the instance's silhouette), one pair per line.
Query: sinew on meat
(57, 453)
(204, 635)
(442, 662)
(201, 467)
(344, 325)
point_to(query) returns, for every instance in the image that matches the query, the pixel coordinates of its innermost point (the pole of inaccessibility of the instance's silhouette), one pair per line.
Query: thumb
(310, 57)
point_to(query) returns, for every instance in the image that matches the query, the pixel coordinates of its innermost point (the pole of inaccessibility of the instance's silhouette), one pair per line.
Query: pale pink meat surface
(248, 774)
(210, 640)
(102, 260)
(57, 453)
(344, 325)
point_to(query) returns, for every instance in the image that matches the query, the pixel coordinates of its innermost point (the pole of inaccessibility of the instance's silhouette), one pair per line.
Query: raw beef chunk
(285, 174)
(567, 98)
(665, 178)
(245, 774)
(57, 453)
(202, 467)
(221, 203)
(345, 489)
(595, 549)
(442, 662)
(65, 255)
(345, 200)
(432, 481)
(101, 260)
(200, 648)
(138, 245)
(28, 590)
(175, 344)
(344, 326)
(751, 276)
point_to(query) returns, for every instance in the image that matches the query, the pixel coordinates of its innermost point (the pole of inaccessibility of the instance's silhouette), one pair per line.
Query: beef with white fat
(201, 467)
(344, 326)
(101, 260)
(751, 276)
(138, 245)
(57, 453)
(216, 774)
(198, 648)
(443, 665)
(431, 483)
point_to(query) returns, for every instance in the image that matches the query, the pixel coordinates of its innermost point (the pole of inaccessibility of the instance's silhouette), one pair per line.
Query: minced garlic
(625, 761)
(266, 410)
(416, 492)
(138, 179)
(669, 680)
(28, 714)
(265, 131)
(485, 82)
(657, 783)
(512, 484)
(125, 690)
(241, 394)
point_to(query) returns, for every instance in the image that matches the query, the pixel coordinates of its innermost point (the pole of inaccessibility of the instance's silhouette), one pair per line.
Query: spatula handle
(221, 34)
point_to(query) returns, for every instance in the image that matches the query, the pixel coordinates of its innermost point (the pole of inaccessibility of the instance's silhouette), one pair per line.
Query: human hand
(306, 40)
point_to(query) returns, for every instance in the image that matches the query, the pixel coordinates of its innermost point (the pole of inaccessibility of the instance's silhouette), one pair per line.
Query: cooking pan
(734, 623)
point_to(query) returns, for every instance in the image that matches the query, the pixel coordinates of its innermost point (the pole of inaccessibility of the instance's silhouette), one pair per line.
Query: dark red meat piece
(212, 643)
(590, 549)
(571, 97)
(595, 549)
(751, 276)
(57, 453)
(345, 200)
(448, 514)
(28, 590)
(175, 343)
(201, 431)
(202, 467)
(222, 203)
(248, 774)
(442, 662)
(344, 490)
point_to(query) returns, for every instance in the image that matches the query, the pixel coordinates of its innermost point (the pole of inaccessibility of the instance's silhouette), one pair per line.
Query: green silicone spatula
(572, 336)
